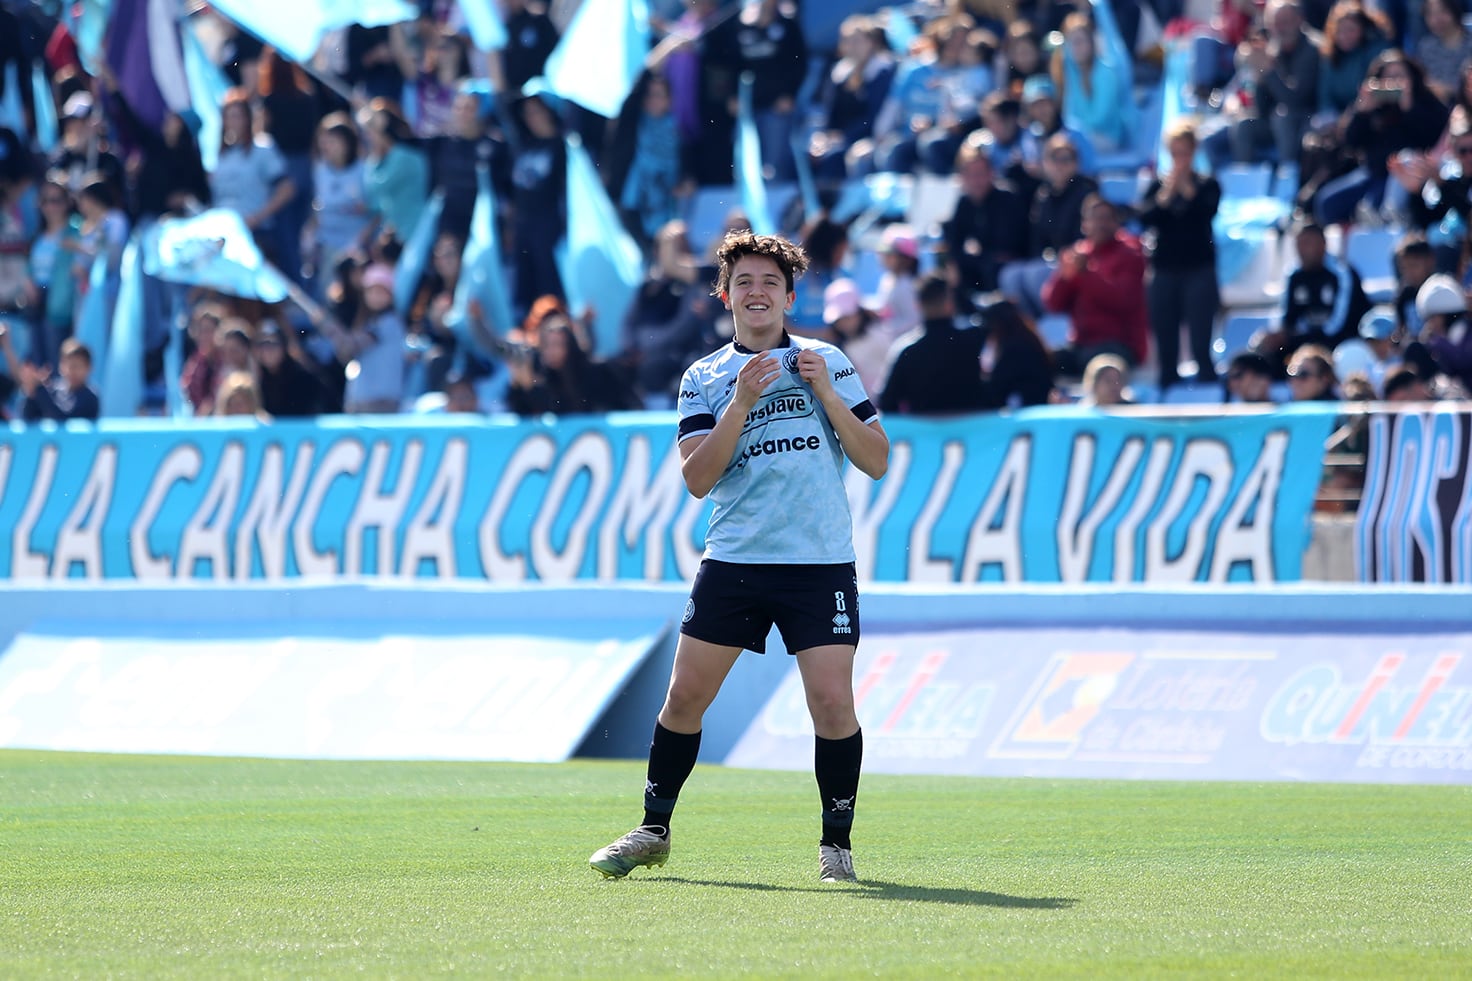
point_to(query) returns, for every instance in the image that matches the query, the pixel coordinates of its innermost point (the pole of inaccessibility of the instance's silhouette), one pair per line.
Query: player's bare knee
(833, 713)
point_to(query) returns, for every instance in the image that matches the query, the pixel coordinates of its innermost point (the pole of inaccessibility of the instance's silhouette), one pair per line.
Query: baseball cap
(1440, 294)
(841, 299)
(78, 106)
(901, 239)
(1038, 87)
(1379, 323)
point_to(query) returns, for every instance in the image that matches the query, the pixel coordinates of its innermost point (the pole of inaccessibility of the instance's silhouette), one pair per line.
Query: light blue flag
(12, 109)
(483, 21)
(601, 55)
(295, 27)
(90, 32)
(812, 205)
(122, 373)
(600, 262)
(481, 276)
(749, 164)
(415, 257)
(93, 317)
(899, 30)
(47, 131)
(213, 249)
(1177, 77)
(1118, 56)
(207, 88)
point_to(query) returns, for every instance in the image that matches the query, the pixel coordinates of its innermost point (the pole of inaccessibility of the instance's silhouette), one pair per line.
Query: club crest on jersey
(789, 359)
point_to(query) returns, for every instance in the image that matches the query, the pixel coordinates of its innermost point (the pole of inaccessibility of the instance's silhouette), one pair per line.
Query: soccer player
(765, 424)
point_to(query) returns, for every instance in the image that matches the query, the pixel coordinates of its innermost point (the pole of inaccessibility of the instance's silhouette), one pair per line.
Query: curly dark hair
(790, 258)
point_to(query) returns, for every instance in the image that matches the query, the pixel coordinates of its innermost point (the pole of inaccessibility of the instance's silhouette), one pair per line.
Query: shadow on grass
(878, 889)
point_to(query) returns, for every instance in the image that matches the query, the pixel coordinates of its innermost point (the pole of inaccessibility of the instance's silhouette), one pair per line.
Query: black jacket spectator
(936, 372)
(1056, 219)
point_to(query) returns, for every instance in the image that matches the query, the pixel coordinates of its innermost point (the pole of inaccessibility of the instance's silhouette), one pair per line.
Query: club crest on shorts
(689, 610)
(789, 359)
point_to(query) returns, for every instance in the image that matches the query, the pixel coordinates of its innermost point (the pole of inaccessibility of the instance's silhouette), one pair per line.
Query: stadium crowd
(1054, 240)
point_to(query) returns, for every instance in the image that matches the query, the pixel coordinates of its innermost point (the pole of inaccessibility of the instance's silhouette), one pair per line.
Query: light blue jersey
(781, 499)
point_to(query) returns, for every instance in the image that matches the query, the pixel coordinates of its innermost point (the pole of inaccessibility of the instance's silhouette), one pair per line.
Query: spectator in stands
(768, 40)
(250, 176)
(435, 340)
(1179, 208)
(1016, 370)
(69, 395)
(341, 220)
(103, 231)
(562, 379)
(202, 369)
(1446, 330)
(395, 173)
(1439, 198)
(1249, 378)
(1405, 385)
(961, 112)
(857, 331)
(239, 396)
(455, 160)
(1276, 88)
(935, 370)
(1013, 150)
(895, 298)
(1380, 334)
(460, 395)
(1100, 284)
(289, 115)
(652, 178)
(1394, 111)
(84, 149)
(1415, 262)
(434, 70)
(826, 243)
(371, 66)
(930, 91)
(372, 349)
(1322, 303)
(698, 59)
(851, 96)
(1043, 121)
(165, 171)
(51, 274)
(1311, 375)
(288, 389)
(989, 226)
(1054, 224)
(1106, 382)
(671, 321)
(1354, 36)
(1444, 50)
(531, 35)
(1021, 57)
(1095, 91)
(539, 215)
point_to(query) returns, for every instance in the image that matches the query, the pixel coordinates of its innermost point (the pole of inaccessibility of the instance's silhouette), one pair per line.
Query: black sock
(671, 758)
(836, 763)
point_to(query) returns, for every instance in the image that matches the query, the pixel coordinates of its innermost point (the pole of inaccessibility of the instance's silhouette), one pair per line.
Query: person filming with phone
(1395, 112)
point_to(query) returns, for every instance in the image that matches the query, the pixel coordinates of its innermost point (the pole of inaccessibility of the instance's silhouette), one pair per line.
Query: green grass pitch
(158, 867)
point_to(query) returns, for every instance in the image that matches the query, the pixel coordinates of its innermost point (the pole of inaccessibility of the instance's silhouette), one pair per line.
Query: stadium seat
(1120, 187)
(1245, 180)
(1053, 328)
(1193, 393)
(932, 202)
(706, 214)
(1235, 334)
(1371, 251)
(1285, 183)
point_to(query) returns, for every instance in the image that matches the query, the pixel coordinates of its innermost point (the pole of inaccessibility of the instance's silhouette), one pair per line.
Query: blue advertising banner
(1051, 495)
(1414, 523)
(1153, 704)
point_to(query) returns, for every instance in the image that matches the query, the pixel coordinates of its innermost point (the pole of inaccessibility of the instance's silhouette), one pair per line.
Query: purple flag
(147, 59)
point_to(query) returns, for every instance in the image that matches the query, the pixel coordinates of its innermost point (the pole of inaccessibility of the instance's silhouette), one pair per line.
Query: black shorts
(736, 604)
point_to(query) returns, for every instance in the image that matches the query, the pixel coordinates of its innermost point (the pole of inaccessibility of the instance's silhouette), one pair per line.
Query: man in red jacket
(1100, 284)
